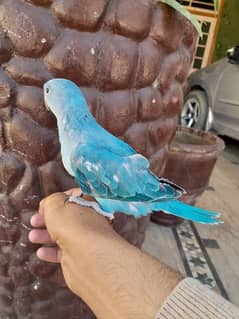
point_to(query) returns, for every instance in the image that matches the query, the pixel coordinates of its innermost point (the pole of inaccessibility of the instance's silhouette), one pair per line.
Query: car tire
(195, 110)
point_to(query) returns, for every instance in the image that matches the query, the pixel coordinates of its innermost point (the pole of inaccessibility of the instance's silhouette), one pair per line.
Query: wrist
(124, 282)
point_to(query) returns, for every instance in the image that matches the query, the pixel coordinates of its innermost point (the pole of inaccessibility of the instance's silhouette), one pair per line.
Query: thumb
(65, 221)
(52, 209)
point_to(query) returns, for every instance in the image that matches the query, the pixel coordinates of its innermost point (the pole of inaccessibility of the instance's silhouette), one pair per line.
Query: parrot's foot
(87, 203)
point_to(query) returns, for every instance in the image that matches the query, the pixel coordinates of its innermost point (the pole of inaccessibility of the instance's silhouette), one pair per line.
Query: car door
(226, 103)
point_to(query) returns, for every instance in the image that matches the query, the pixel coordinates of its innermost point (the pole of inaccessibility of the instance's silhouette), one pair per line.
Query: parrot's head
(62, 97)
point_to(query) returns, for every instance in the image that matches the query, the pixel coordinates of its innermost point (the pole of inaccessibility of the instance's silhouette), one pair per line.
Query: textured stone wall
(131, 58)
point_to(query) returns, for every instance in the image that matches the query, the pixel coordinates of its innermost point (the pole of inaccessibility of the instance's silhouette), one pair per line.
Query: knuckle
(52, 201)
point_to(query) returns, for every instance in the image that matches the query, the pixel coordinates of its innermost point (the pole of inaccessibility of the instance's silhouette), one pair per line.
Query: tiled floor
(208, 253)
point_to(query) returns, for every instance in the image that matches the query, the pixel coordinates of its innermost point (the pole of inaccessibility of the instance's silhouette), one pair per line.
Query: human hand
(113, 277)
(83, 242)
(43, 236)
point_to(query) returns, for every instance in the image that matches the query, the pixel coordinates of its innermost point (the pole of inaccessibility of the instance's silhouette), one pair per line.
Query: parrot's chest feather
(66, 150)
(69, 139)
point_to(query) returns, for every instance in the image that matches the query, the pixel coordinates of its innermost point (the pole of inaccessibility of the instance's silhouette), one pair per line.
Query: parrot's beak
(46, 105)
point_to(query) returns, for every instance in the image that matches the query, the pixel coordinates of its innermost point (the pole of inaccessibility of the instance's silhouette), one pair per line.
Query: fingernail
(37, 220)
(31, 236)
(40, 253)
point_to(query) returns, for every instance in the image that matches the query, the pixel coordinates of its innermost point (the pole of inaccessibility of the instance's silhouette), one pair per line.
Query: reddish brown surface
(191, 159)
(131, 58)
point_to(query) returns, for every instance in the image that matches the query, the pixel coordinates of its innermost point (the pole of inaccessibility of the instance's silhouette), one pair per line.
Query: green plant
(177, 6)
(216, 4)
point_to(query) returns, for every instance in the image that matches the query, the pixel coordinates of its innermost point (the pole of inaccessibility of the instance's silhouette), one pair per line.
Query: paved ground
(208, 253)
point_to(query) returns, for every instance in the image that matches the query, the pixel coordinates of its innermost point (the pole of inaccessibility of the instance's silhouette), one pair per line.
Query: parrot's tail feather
(173, 207)
(185, 211)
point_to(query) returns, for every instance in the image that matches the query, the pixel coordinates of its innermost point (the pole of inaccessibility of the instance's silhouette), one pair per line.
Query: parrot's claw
(87, 203)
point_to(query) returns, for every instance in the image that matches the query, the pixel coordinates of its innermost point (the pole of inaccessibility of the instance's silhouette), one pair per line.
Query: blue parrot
(107, 168)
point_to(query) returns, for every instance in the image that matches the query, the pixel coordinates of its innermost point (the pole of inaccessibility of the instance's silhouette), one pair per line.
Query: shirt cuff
(192, 300)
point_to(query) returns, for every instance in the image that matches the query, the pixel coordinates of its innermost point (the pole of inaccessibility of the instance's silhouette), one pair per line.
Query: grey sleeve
(192, 300)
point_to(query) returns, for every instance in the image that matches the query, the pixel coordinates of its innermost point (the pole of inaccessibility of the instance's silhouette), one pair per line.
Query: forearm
(114, 278)
(125, 283)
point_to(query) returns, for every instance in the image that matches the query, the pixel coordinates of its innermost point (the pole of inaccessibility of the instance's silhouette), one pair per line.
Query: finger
(40, 236)
(52, 255)
(37, 220)
(73, 192)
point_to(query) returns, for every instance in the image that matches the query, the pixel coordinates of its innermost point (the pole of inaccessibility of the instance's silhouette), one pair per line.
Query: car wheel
(195, 110)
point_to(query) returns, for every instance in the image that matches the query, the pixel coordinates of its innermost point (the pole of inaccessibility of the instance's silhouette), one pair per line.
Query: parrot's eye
(47, 90)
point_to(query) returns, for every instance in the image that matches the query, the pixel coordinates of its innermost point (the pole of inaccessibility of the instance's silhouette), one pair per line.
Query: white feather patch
(88, 166)
(116, 178)
(133, 208)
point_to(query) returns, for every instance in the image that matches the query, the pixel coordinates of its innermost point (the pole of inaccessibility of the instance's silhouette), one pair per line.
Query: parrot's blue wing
(102, 173)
